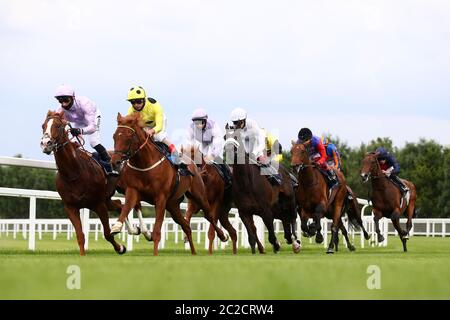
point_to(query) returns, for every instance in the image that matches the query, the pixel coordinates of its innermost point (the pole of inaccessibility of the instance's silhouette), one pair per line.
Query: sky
(356, 69)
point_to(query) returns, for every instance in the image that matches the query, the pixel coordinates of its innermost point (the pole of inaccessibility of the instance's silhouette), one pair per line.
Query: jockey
(252, 135)
(333, 156)
(207, 134)
(255, 142)
(85, 116)
(390, 167)
(154, 118)
(317, 154)
(273, 145)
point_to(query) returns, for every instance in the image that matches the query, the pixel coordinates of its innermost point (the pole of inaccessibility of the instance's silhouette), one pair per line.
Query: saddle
(224, 172)
(106, 166)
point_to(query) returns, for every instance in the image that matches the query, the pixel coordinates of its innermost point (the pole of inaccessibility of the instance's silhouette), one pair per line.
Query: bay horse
(80, 181)
(314, 200)
(254, 194)
(386, 198)
(147, 175)
(218, 194)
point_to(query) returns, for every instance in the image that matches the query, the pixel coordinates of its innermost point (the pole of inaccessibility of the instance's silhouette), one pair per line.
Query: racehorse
(81, 181)
(254, 194)
(218, 194)
(314, 200)
(386, 198)
(148, 176)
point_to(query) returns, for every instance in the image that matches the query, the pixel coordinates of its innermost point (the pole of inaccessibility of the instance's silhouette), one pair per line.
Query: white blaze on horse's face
(46, 140)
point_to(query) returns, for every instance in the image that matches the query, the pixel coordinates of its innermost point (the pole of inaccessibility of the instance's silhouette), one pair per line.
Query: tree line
(426, 163)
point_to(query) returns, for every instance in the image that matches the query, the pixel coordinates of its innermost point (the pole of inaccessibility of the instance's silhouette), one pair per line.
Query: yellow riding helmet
(136, 92)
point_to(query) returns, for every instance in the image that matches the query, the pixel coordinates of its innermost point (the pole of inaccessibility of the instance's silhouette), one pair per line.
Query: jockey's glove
(76, 131)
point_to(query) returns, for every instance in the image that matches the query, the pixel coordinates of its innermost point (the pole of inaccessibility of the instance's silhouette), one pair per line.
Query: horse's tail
(354, 214)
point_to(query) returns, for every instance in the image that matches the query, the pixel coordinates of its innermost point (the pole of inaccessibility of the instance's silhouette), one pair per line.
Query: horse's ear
(293, 142)
(119, 116)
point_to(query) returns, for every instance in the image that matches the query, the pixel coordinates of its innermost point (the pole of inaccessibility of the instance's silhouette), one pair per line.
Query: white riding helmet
(64, 91)
(199, 114)
(238, 114)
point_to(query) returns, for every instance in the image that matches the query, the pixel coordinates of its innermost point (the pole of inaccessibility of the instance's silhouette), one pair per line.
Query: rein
(128, 154)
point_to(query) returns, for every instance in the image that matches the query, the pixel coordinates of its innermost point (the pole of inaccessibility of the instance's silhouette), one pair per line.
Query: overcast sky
(357, 69)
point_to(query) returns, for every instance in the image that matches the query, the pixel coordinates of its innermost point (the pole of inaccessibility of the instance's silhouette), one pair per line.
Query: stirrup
(113, 173)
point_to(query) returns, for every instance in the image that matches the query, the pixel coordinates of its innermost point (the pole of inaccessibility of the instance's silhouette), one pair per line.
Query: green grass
(422, 273)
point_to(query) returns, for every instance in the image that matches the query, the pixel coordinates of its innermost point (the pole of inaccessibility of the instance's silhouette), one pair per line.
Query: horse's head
(54, 131)
(128, 138)
(369, 166)
(300, 155)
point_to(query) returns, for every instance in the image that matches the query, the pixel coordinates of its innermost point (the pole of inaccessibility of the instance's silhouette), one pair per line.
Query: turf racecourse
(422, 273)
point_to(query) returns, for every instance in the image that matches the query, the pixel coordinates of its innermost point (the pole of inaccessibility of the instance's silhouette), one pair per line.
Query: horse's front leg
(192, 208)
(131, 199)
(74, 216)
(160, 208)
(376, 219)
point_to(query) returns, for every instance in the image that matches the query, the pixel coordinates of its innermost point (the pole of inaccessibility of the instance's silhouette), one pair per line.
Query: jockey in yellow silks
(154, 118)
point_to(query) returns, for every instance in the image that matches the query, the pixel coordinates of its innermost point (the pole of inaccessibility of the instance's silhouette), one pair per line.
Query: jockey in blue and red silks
(317, 154)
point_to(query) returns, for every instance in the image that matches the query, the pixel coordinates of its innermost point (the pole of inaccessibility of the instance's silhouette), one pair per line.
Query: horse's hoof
(330, 251)
(225, 238)
(296, 247)
(148, 235)
(138, 231)
(122, 250)
(116, 228)
(367, 236)
(351, 247)
(405, 237)
(319, 239)
(306, 235)
(380, 238)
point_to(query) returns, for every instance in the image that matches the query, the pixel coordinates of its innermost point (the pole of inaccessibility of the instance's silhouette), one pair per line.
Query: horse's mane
(131, 120)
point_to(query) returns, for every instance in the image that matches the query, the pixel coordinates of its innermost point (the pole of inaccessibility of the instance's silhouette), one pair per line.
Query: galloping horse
(219, 196)
(81, 182)
(314, 201)
(148, 176)
(387, 200)
(254, 194)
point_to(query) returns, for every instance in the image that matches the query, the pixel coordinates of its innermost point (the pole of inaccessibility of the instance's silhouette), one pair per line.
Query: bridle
(128, 154)
(302, 166)
(54, 145)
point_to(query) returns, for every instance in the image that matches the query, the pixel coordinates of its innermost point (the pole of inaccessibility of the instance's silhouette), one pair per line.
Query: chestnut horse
(386, 198)
(148, 176)
(219, 196)
(81, 181)
(254, 194)
(315, 202)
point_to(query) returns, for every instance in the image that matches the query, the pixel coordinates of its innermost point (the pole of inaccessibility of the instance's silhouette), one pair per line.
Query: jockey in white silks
(206, 135)
(253, 136)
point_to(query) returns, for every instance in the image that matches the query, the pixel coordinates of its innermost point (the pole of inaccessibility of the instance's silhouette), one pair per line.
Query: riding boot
(403, 188)
(332, 178)
(276, 179)
(227, 174)
(294, 180)
(106, 159)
